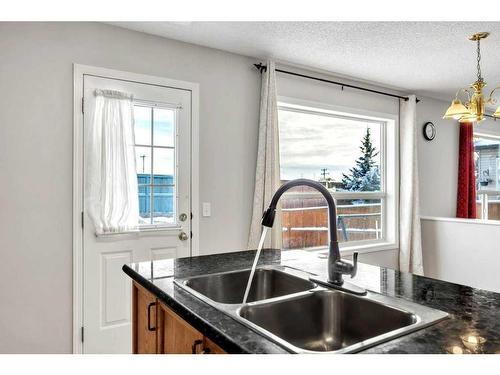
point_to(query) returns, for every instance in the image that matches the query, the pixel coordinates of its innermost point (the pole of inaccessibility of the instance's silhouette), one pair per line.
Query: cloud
(309, 142)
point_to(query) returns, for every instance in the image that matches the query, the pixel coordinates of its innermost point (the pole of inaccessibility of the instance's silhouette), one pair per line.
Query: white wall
(438, 160)
(36, 158)
(296, 87)
(462, 252)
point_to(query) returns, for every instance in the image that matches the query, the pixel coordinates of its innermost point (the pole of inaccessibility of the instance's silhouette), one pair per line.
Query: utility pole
(143, 157)
(324, 173)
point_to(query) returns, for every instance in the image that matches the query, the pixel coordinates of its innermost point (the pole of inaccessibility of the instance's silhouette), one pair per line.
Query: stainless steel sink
(287, 308)
(229, 287)
(329, 320)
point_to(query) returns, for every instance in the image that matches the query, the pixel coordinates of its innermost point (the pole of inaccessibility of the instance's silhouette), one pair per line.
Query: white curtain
(410, 241)
(267, 172)
(111, 198)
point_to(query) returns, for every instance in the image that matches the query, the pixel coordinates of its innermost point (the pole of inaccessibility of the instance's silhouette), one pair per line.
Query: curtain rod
(262, 68)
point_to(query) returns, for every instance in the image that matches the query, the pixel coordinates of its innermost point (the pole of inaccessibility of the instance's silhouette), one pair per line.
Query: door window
(155, 146)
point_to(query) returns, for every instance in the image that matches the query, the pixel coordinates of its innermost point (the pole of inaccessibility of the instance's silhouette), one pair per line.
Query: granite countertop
(473, 312)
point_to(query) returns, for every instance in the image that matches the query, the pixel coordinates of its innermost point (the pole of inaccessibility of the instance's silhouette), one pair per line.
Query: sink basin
(302, 317)
(331, 321)
(229, 287)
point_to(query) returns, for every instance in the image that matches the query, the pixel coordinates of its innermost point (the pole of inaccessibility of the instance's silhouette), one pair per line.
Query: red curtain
(466, 192)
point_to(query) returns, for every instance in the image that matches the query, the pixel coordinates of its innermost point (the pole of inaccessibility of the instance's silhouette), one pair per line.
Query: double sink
(287, 308)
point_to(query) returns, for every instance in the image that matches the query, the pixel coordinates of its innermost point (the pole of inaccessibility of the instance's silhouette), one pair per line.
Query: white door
(163, 161)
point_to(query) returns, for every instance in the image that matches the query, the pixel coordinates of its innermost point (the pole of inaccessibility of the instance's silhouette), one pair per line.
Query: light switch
(206, 209)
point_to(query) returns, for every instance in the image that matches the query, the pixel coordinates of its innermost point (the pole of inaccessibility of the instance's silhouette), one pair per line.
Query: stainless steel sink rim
(290, 272)
(424, 316)
(361, 345)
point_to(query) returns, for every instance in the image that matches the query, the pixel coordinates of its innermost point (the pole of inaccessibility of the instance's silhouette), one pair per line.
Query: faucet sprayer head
(268, 217)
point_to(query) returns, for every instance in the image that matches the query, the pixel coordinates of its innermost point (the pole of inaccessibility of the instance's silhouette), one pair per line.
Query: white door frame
(79, 71)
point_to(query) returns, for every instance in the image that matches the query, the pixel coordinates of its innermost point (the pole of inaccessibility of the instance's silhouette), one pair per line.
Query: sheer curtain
(267, 171)
(410, 236)
(110, 180)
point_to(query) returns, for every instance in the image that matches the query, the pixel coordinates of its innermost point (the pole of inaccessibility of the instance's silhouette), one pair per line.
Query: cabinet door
(144, 321)
(175, 335)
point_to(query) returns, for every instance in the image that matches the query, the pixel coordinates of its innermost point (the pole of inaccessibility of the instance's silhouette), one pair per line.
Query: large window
(348, 153)
(487, 163)
(155, 161)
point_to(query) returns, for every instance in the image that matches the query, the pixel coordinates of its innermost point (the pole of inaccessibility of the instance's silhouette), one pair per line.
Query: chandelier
(473, 109)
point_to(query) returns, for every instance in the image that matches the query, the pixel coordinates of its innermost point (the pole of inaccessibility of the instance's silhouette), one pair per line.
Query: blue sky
(163, 136)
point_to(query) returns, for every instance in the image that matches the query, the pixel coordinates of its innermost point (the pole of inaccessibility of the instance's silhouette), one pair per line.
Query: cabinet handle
(195, 344)
(149, 316)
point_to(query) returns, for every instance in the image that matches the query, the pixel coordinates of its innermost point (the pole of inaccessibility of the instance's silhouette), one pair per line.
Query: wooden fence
(305, 221)
(493, 210)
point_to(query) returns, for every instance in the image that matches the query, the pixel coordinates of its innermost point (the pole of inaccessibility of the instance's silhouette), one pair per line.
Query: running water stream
(254, 266)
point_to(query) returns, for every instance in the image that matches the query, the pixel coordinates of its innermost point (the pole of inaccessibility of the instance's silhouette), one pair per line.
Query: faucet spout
(336, 267)
(269, 214)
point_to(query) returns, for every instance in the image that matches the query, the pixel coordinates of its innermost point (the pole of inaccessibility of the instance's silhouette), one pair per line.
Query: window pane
(155, 165)
(164, 210)
(144, 204)
(163, 164)
(359, 219)
(493, 207)
(344, 153)
(305, 219)
(487, 169)
(142, 125)
(143, 162)
(487, 156)
(163, 127)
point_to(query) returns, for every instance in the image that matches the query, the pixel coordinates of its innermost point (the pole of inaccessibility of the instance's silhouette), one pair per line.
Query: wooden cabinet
(157, 329)
(175, 336)
(143, 320)
(212, 348)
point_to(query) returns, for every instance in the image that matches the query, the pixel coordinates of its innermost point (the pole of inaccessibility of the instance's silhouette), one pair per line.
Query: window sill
(368, 248)
(359, 248)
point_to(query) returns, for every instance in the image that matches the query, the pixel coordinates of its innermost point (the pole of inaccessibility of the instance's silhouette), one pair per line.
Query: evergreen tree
(365, 175)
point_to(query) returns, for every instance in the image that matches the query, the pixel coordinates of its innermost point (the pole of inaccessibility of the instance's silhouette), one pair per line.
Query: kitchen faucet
(336, 266)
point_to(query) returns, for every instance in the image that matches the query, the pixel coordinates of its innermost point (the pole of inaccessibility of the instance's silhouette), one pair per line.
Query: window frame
(483, 198)
(159, 105)
(389, 149)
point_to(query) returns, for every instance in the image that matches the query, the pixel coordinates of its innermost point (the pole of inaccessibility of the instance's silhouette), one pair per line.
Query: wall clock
(429, 131)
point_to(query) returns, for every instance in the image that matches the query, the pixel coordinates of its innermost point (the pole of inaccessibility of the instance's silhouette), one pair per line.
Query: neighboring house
(487, 164)
(163, 195)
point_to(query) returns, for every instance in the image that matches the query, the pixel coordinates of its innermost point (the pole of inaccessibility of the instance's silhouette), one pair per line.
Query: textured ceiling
(428, 58)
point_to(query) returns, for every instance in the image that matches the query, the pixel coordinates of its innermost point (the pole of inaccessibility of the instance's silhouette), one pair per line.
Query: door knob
(183, 236)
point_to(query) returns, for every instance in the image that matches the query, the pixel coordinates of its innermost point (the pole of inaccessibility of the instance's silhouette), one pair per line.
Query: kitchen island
(473, 324)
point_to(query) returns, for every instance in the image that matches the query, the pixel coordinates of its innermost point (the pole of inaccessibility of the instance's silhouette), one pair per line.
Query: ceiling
(428, 58)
